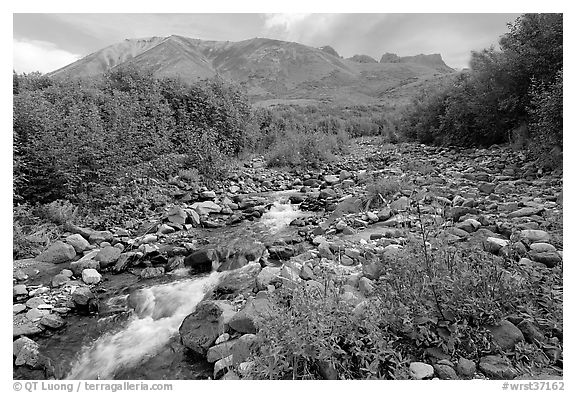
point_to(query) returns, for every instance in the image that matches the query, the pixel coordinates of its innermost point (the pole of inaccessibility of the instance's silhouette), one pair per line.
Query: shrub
(310, 329)
(380, 190)
(306, 149)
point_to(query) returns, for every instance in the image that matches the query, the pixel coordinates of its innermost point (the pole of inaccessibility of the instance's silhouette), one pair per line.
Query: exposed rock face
(362, 59)
(328, 49)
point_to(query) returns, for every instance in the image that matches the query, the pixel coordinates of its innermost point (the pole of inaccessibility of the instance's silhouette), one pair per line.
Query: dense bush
(546, 121)
(503, 91)
(74, 139)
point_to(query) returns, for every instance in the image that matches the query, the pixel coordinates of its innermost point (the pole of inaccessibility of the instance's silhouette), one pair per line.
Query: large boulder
(246, 320)
(240, 280)
(58, 252)
(201, 328)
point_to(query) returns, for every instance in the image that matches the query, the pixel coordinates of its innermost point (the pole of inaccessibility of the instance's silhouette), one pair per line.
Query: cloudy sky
(45, 42)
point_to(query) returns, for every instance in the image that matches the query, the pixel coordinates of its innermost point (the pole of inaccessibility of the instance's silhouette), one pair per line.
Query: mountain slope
(268, 69)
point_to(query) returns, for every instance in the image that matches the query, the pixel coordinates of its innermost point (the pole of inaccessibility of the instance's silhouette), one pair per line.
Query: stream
(135, 335)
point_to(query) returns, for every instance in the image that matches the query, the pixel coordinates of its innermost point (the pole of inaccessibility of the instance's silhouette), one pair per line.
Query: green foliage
(380, 190)
(78, 140)
(546, 121)
(503, 91)
(310, 327)
(305, 149)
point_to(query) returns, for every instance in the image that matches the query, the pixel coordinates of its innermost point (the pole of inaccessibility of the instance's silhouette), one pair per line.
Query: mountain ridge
(268, 69)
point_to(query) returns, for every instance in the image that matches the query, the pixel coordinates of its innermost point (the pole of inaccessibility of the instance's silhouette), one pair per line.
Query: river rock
(222, 366)
(26, 352)
(19, 290)
(268, 275)
(246, 320)
(18, 308)
(497, 367)
(529, 236)
(542, 247)
(506, 334)
(79, 243)
(35, 302)
(243, 348)
(494, 244)
(201, 328)
(470, 225)
(531, 332)
(82, 295)
(239, 252)
(152, 272)
(107, 256)
(176, 215)
(58, 252)
(34, 314)
(86, 262)
(220, 351)
(91, 276)
(550, 258)
(526, 211)
(53, 321)
(59, 280)
(22, 326)
(419, 370)
(206, 208)
(444, 371)
(97, 237)
(202, 260)
(240, 280)
(466, 368)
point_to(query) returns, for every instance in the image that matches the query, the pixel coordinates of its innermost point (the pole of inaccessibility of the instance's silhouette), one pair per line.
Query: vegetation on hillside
(511, 95)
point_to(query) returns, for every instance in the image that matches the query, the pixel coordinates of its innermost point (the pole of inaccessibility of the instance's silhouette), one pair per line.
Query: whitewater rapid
(159, 312)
